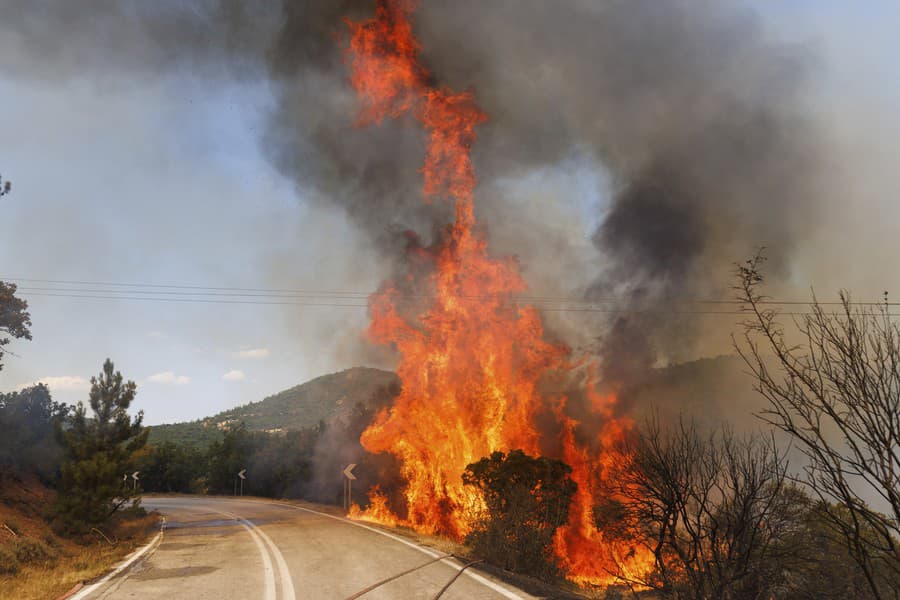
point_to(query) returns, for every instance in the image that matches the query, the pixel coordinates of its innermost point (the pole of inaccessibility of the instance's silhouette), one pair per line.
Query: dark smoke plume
(698, 119)
(695, 117)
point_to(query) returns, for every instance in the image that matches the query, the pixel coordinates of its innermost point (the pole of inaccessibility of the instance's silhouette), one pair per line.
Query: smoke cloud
(698, 119)
(693, 121)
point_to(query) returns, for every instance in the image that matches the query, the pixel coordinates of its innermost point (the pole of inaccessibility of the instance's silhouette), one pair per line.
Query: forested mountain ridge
(324, 398)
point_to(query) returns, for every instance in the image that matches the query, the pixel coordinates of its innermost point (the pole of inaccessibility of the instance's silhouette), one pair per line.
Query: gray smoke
(698, 118)
(694, 116)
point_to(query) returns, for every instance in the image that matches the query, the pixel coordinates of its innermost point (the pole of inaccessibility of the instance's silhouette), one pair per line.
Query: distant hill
(324, 398)
(708, 390)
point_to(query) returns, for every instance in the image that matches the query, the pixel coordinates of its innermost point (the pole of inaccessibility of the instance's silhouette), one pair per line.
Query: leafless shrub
(711, 508)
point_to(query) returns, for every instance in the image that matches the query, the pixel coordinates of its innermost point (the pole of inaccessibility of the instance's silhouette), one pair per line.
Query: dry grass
(36, 563)
(72, 562)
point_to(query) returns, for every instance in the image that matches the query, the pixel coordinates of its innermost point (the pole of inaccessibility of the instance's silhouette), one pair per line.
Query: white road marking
(287, 584)
(88, 590)
(506, 593)
(284, 574)
(267, 562)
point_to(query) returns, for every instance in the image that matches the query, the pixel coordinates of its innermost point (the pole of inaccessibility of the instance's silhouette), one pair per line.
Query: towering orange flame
(472, 356)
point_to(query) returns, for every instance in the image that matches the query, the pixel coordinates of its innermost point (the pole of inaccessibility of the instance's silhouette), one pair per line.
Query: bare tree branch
(838, 396)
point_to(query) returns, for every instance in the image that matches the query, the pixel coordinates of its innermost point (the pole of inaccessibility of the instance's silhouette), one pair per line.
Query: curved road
(224, 548)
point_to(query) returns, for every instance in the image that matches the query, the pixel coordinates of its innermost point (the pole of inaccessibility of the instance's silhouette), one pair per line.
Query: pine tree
(14, 318)
(99, 449)
(15, 322)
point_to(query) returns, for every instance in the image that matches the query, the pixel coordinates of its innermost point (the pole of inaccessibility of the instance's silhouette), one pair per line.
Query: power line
(249, 294)
(241, 291)
(179, 287)
(195, 300)
(587, 309)
(225, 291)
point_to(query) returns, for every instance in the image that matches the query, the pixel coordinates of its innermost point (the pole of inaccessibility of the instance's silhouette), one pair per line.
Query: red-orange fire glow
(472, 357)
(377, 511)
(582, 551)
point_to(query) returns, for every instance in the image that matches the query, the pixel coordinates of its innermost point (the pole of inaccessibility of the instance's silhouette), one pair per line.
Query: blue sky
(165, 181)
(152, 185)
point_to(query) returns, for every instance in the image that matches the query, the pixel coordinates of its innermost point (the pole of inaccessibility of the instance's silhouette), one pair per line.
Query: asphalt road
(225, 548)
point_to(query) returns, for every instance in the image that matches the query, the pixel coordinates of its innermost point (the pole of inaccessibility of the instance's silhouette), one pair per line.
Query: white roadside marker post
(242, 477)
(348, 477)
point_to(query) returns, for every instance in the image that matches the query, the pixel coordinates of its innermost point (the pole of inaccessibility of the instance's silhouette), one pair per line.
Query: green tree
(171, 467)
(99, 449)
(229, 456)
(14, 318)
(527, 498)
(28, 419)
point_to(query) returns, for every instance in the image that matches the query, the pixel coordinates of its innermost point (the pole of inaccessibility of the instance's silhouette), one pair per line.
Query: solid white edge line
(287, 584)
(506, 593)
(130, 560)
(269, 571)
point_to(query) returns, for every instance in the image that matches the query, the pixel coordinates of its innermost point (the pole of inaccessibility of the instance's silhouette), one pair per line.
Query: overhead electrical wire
(179, 293)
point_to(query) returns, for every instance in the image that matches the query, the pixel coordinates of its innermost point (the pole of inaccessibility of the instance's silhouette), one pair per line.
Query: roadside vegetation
(526, 500)
(304, 463)
(834, 389)
(727, 516)
(36, 562)
(51, 538)
(65, 514)
(722, 519)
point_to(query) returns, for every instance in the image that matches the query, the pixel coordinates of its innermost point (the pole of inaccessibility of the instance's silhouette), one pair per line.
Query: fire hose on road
(456, 575)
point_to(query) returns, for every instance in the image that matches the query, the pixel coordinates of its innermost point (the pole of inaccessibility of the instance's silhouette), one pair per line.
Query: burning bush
(525, 500)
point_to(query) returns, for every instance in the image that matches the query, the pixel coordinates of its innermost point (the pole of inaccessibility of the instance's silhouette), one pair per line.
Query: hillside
(708, 389)
(324, 398)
